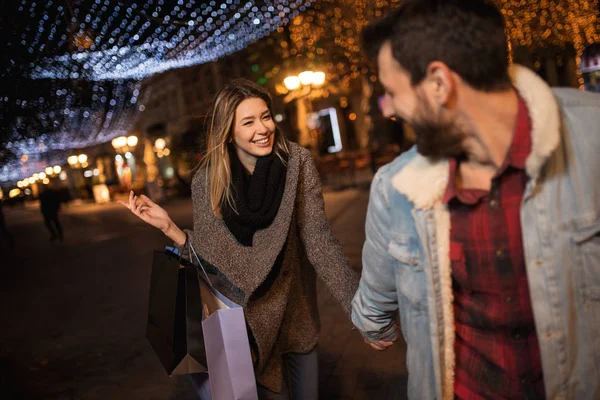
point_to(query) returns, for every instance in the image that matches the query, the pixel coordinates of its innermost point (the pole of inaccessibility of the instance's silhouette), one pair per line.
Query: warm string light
(108, 40)
(327, 35)
(558, 23)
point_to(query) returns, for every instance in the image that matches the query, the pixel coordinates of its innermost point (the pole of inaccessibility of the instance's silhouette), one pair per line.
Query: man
(49, 206)
(486, 235)
(5, 235)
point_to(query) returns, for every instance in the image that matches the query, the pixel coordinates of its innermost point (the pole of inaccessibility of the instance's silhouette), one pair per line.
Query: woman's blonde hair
(220, 125)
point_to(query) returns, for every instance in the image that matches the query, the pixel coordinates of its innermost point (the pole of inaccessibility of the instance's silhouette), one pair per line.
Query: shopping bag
(174, 327)
(228, 357)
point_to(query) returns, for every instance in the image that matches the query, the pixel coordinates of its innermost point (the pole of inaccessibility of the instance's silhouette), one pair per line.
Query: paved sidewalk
(74, 313)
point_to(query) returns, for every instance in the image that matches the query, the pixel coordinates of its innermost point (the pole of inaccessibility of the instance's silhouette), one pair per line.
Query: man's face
(438, 135)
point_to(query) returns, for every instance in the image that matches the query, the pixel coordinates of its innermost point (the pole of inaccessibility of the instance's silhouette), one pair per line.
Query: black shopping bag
(174, 327)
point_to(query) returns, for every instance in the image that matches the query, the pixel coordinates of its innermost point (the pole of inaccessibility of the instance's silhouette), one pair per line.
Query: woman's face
(253, 131)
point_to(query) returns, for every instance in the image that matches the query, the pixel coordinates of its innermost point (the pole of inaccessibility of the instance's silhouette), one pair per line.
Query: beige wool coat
(284, 318)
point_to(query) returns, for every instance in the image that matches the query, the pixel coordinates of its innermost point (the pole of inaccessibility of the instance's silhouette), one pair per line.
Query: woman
(259, 221)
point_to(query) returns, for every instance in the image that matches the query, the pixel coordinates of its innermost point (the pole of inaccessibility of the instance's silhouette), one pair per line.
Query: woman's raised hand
(148, 211)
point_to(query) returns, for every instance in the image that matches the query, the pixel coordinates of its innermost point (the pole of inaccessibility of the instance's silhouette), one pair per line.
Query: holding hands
(379, 346)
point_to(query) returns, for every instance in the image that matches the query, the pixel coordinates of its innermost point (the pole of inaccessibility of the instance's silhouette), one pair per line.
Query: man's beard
(436, 137)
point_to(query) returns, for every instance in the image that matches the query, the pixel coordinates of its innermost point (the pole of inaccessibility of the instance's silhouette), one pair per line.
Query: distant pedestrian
(50, 206)
(5, 235)
(259, 219)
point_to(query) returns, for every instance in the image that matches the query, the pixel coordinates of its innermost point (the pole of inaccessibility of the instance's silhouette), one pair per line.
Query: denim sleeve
(375, 305)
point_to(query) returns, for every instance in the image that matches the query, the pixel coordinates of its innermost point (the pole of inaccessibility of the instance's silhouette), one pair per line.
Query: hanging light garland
(71, 114)
(75, 66)
(558, 23)
(327, 35)
(108, 39)
(112, 44)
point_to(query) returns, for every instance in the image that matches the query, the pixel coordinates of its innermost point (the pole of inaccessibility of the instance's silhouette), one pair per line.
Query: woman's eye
(248, 123)
(267, 117)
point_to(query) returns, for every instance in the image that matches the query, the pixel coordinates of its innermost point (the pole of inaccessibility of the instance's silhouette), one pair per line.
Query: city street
(74, 313)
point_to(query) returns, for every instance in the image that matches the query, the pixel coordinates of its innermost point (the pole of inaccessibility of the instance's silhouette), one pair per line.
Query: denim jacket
(406, 264)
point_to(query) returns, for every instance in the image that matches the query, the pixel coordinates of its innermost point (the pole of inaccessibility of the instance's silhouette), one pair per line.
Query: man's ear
(439, 83)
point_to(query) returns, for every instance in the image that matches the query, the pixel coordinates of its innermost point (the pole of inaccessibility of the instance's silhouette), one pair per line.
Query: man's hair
(466, 35)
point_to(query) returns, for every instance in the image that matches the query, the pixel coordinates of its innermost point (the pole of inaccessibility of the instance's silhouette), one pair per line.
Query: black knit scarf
(256, 197)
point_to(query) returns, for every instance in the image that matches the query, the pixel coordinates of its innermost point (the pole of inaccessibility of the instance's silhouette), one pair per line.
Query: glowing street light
(303, 85)
(292, 82)
(124, 144)
(75, 161)
(57, 169)
(48, 170)
(306, 77)
(160, 143)
(119, 142)
(132, 141)
(318, 78)
(72, 160)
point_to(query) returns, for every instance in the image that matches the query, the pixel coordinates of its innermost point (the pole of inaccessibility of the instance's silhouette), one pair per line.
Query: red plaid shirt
(497, 352)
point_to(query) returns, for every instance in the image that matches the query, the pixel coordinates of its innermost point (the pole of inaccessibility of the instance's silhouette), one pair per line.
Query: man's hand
(381, 345)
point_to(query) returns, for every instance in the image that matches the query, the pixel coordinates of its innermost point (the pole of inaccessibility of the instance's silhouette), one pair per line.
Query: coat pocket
(410, 277)
(587, 253)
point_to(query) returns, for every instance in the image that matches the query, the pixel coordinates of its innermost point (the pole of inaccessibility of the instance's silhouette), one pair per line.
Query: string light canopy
(111, 39)
(111, 44)
(74, 66)
(66, 115)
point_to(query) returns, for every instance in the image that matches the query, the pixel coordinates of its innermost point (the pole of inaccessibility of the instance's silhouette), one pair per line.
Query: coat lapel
(423, 182)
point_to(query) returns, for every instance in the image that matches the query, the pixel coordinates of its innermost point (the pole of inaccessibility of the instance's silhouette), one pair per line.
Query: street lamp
(123, 144)
(160, 144)
(132, 141)
(308, 79)
(160, 147)
(318, 78)
(292, 82)
(72, 160)
(300, 88)
(75, 161)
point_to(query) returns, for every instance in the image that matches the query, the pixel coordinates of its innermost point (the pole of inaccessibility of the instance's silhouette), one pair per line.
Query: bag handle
(191, 250)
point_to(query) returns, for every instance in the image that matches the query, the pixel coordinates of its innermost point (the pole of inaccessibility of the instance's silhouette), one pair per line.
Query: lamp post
(124, 146)
(300, 87)
(76, 180)
(78, 161)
